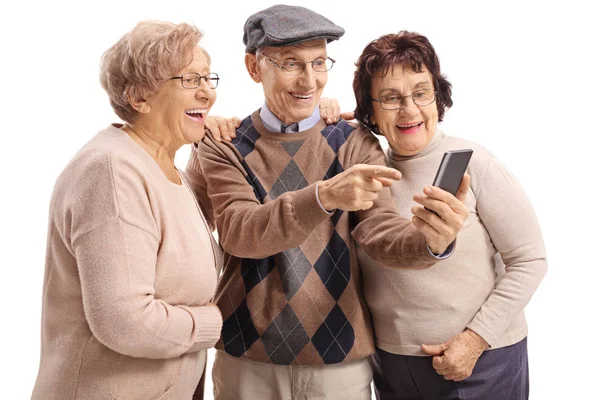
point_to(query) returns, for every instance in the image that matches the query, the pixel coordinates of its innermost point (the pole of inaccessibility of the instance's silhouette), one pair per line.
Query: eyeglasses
(295, 68)
(192, 80)
(394, 101)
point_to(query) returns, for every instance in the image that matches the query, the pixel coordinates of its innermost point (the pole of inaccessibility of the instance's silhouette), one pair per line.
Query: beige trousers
(240, 379)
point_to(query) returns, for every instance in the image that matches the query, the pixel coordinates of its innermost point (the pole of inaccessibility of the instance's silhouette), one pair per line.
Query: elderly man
(289, 194)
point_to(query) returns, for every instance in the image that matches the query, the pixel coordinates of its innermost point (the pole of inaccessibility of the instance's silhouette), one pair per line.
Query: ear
(138, 103)
(253, 67)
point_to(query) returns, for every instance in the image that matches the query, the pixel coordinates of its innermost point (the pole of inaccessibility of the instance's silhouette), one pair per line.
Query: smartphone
(451, 170)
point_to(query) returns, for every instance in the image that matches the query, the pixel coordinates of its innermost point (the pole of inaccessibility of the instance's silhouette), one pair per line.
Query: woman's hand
(220, 128)
(456, 358)
(441, 229)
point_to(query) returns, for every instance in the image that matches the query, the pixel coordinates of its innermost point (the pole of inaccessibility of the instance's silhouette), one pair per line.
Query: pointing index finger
(378, 171)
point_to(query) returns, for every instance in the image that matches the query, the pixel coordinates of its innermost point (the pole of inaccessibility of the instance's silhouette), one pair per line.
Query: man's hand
(441, 229)
(456, 358)
(220, 128)
(356, 188)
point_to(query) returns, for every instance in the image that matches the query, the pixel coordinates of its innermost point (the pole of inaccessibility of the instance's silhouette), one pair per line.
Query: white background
(525, 85)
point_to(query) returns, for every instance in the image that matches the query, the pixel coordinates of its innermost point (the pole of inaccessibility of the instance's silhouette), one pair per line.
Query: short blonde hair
(143, 59)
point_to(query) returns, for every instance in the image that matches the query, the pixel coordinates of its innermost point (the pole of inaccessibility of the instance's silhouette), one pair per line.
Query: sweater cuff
(208, 322)
(306, 208)
(447, 253)
(319, 200)
(482, 331)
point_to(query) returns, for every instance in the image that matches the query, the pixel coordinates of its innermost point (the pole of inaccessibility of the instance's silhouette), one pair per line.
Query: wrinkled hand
(220, 128)
(330, 110)
(356, 188)
(441, 229)
(456, 358)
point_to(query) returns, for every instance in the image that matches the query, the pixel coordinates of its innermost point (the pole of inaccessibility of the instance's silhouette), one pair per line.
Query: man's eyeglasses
(295, 68)
(394, 101)
(192, 80)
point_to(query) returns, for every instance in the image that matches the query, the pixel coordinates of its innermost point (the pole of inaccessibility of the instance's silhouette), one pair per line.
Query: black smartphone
(451, 170)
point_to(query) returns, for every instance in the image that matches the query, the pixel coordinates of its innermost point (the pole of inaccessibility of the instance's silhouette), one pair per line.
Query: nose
(307, 77)
(409, 107)
(205, 92)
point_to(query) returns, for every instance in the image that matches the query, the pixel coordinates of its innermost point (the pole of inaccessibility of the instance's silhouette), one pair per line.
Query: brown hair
(143, 59)
(405, 48)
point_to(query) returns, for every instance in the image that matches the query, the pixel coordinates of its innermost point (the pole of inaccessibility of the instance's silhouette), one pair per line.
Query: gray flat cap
(284, 25)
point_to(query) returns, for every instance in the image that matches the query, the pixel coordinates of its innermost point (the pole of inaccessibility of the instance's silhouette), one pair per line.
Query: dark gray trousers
(499, 374)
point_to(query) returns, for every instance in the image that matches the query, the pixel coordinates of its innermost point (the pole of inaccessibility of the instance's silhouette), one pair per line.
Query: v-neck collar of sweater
(395, 158)
(284, 137)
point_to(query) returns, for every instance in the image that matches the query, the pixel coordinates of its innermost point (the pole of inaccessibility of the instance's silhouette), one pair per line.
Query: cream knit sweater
(498, 262)
(130, 271)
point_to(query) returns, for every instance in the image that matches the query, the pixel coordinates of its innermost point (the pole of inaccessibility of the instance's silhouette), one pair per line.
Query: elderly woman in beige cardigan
(131, 262)
(456, 330)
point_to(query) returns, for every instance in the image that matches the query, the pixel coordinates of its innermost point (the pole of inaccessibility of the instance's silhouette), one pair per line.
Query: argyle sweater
(290, 292)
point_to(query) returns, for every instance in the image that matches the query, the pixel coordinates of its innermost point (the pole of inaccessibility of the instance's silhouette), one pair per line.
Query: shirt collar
(274, 124)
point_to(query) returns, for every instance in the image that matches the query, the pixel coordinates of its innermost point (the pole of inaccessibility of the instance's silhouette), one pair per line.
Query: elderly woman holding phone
(131, 262)
(456, 330)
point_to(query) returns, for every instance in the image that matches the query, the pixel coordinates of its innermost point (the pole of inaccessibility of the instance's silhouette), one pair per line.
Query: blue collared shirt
(274, 124)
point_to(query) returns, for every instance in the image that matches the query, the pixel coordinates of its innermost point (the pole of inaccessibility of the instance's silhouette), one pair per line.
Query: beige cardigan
(130, 271)
(498, 262)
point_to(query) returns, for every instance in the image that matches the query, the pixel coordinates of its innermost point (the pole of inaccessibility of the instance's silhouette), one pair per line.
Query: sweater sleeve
(197, 182)
(116, 263)
(381, 232)
(248, 228)
(510, 220)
